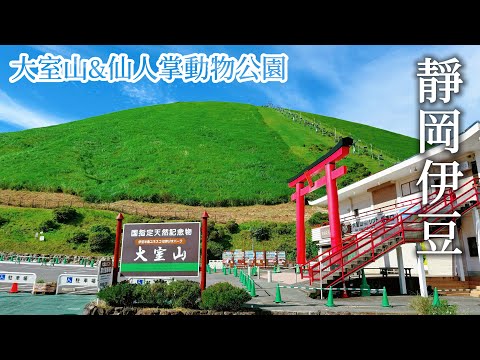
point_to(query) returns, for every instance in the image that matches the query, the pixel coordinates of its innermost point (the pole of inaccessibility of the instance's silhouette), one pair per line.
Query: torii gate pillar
(327, 163)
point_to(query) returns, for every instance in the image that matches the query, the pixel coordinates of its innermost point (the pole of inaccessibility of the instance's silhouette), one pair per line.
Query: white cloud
(321, 62)
(146, 94)
(14, 113)
(286, 95)
(384, 92)
(64, 51)
(67, 50)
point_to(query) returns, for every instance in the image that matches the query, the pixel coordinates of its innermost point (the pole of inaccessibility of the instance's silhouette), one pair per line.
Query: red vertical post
(203, 279)
(301, 251)
(116, 252)
(333, 211)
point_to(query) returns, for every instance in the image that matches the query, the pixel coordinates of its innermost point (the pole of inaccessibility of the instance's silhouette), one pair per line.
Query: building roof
(468, 142)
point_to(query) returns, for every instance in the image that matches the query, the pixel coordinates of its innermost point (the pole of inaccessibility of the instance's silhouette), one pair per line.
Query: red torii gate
(326, 162)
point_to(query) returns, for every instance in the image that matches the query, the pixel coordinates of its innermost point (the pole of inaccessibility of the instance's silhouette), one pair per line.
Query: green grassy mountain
(199, 153)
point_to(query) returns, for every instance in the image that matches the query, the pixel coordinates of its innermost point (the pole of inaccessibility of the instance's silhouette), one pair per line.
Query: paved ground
(47, 272)
(27, 304)
(297, 301)
(43, 272)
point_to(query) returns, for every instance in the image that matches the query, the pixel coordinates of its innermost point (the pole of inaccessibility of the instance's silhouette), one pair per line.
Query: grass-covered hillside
(204, 153)
(87, 232)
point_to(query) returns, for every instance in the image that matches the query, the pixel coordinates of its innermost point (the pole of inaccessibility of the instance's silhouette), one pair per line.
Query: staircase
(450, 285)
(475, 292)
(368, 245)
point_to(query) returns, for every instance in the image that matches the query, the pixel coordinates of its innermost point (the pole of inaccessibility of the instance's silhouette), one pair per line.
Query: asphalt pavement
(44, 272)
(293, 300)
(297, 300)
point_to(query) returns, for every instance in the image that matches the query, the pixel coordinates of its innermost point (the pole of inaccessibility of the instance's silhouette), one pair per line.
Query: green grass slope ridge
(197, 153)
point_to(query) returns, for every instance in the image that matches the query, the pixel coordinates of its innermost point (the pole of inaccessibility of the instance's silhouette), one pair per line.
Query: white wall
(362, 203)
(409, 260)
(440, 265)
(468, 230)
(345, 208)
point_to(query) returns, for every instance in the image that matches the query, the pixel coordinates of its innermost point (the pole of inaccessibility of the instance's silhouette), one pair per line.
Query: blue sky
(369, 84)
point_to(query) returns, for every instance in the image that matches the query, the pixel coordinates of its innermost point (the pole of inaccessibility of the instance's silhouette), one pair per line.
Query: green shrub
(214, 250)
(101, 242)
(159, 294)
(224, 297)
(151, 295)
(311, 249)
(100, 228)
(423, 306)
(217, 234)
(132, 219)
(78, 238)
(121, 294)
(3, 221)
(232, 227)
(65, 214)
(210, 226)
(318, 218)
(285, 229)
(260, 233)
(444, 309)
(48, 225)
(288, 245)
(183, 294)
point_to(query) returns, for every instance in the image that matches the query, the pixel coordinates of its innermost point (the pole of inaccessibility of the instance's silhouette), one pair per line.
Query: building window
(472, 246)
(474, 168)
(410, 188)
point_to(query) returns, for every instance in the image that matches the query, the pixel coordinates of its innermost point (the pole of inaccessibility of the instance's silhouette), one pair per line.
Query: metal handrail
(373, 234)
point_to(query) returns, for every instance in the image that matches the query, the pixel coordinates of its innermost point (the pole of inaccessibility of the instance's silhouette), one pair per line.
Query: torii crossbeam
(327, 163)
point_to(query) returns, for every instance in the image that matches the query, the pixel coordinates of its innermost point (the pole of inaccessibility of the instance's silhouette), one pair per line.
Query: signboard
(216, 264)
(146, 280)
(260, 258)
(227, 258)
(160, 249)
(281, 256)
(271, 258)
(77, 279)
(363, 223)
(78, 283)
(249, 257)
(18, 277)
(105, 271)
(239, 257)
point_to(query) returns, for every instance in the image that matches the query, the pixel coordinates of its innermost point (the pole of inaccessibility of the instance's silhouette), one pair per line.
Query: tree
(311, 249)
(214, 250)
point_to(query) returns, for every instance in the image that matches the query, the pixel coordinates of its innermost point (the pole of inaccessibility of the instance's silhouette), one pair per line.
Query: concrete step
(475, 293)
(457, 293)
(452, 285)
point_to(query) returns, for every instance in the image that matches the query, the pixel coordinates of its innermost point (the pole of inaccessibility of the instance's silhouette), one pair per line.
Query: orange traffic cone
(344, 293)
(14, 288)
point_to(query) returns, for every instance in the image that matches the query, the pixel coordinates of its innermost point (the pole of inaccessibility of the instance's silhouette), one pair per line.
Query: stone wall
(94, 309)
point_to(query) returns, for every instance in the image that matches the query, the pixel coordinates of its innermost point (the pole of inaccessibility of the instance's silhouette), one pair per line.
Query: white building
(390, 191)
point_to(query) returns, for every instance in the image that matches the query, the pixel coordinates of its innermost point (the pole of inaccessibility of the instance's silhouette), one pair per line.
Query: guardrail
(51, 260)
(78, 283)
(20, 278)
